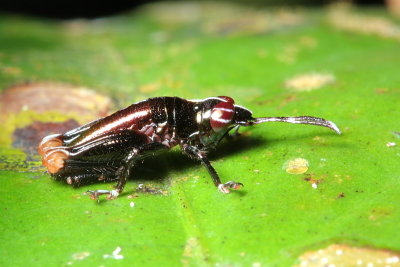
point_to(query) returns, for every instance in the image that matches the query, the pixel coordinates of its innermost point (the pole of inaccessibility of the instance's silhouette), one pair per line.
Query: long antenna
(300, 120)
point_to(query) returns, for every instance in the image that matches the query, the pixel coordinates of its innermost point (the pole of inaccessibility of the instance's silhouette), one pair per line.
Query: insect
(108, 148)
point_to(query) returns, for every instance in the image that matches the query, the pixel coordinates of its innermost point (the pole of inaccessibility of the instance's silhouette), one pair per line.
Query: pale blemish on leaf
(308, 41)
(80, 255)
(289, 54)
(216, 18)
(12, 71)
(190, 250)
(344, 255)
(149, 88)
(78, 27)
(343, 18)
(47, 96)
(21, 105)
(309, 81)
(379, 213)
(252, 22)
(190, 244)
(314, 185)
(319, 140)
(296, 166)
(174, 13)
(115, 254)
(390, 144)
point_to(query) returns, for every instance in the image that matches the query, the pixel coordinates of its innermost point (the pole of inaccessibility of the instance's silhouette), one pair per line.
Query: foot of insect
(224, 188)
(123, 173)
(94, 194)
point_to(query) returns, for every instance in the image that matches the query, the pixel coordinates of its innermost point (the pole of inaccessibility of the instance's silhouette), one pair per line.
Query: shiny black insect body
(108, 148)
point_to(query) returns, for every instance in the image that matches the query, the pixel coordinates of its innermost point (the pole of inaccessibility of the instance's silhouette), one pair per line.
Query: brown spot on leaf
(379, 213)
(381, 91)
(28, 138)
(151, 189)
(341, 195)
(287, 100)
(133, 196)
(42, 97)
(344, 255)
(312, 179)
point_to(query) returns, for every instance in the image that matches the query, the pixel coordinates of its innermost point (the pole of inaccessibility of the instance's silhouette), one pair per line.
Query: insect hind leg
(124, 171)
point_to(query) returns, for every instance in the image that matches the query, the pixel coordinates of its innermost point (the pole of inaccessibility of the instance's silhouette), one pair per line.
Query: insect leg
(122, 174)
(124, 171)
(234, 133)
(94, 160)
(196, 153)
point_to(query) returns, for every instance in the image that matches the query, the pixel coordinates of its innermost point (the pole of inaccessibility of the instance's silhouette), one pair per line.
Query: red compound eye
(221, 115)
(228, 99)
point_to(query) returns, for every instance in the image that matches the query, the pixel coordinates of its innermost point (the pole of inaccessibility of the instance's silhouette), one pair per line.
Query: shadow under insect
(157, 167)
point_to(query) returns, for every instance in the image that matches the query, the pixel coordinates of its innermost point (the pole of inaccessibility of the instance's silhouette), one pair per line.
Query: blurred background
(64, 63)
(92, 9)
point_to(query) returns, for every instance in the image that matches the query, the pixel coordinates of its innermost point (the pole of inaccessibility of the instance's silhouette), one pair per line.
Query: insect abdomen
(99, 147)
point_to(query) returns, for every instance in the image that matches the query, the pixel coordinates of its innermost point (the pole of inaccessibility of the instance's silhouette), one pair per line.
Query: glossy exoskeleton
(107, 148)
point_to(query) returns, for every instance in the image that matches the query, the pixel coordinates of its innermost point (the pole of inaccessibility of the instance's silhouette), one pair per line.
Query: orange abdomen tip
(48, 142)
(54, 160)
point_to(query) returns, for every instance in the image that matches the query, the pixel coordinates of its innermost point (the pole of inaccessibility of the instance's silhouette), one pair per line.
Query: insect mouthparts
(301, 120)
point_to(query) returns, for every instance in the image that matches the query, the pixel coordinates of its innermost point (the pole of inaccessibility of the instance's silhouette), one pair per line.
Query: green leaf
(307, 66)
